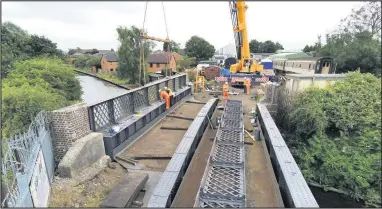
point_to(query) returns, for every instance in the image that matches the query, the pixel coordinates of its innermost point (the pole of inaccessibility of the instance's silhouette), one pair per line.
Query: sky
(93, 24)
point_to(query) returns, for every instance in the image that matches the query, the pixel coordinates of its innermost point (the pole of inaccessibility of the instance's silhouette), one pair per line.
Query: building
(109, 62)
(177, 56)
(161, 60)
(260, 56)
(228, 51)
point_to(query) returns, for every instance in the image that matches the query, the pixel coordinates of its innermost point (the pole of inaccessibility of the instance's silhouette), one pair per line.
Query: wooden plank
(126, 191)
(174, 128)
(180, 117)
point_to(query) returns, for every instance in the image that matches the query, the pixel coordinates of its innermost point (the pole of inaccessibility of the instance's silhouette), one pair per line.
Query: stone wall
(69, 124)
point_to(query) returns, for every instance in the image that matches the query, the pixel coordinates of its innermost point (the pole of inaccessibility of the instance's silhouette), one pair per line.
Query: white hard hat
(226, 82)
(245, 77)
(165, 87)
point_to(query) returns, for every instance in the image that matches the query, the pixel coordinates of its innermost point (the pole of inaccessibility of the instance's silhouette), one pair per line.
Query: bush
(34, 85)
(60, 76)
(22, 103)
(337, 135)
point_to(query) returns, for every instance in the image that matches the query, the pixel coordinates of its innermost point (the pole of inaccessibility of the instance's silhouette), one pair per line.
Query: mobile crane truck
(246, 67)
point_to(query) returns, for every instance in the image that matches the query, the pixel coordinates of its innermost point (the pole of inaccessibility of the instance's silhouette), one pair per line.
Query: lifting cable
(142, 65)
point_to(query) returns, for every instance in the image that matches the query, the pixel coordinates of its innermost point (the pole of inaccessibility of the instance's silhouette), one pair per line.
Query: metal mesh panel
(177, 87)
(230, 136)
(228, 154)
(233, 108)
(153, 94)
(170, 84)
(122, 106)
(231, 124)
(225, 182)
(232, 115)
(162, 85)
(140, 99)
(101, 115)
(217, 204)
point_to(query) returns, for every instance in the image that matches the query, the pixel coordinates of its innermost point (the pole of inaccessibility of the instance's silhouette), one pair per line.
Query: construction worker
(247, 83)
(170, 93)
(164, 95)
(225, 90)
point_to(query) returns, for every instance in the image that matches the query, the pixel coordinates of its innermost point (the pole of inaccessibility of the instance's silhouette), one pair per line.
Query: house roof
(111, 57)
(159, 57)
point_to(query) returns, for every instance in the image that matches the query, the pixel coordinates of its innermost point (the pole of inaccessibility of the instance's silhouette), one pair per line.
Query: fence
(28, 166)
(106, 113)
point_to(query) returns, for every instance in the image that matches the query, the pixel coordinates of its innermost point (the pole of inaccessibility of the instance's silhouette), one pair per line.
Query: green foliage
(20, 104)
(264, 47)
(17, 44)
(80, 61)
(199, 48)
(337, 135)
(93, 61)
(60, 76)
(174, 47)
(356, 42)
(129, 53)
(39, 45)
(186, 62)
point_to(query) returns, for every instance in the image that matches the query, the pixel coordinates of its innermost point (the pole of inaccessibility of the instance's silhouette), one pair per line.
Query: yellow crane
(245, 63)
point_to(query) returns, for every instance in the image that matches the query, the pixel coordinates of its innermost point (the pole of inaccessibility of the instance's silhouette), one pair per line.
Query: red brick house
(158, 61)
(109, 62)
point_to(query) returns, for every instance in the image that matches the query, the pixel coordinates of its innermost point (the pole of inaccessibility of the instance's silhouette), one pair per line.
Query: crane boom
(238, 17)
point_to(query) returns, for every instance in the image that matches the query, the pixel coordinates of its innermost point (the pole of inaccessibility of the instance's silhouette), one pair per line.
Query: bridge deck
(160, 143)
(261, 186)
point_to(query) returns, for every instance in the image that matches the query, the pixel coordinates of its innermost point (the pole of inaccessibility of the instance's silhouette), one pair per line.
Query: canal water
(95, 90)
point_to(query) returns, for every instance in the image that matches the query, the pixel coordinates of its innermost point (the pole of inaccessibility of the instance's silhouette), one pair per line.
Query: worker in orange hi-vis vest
(247, 83)
(164, 95)
(225, 90)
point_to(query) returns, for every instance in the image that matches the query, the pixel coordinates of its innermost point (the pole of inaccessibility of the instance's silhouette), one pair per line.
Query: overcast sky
(93, 24)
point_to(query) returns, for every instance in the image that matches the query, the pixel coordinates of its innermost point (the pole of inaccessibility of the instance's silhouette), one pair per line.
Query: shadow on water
(95, 90)
(334, 200)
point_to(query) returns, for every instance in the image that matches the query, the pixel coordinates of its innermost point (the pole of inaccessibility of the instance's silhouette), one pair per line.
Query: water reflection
(95, 90)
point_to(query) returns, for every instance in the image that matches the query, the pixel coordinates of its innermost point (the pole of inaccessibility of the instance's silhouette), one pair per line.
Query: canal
(95, 90)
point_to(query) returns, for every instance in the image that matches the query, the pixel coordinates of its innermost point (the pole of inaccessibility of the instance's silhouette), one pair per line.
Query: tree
(13, 46)
(254, 46)
(39, 45)
(174, 47)
(308, 48)
(93, 61)
(186, 62)
(71, 51)
(365, 18)
(129, 53)
(94, 51)
(355, 44)
(80, 61)
(199, 48)
(264, 47)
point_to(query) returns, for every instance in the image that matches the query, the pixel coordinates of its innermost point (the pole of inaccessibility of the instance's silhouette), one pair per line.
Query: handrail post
(110, 108)
(91, 118)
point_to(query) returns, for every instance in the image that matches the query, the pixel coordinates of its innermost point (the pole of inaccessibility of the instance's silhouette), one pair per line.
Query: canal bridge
(113, 125)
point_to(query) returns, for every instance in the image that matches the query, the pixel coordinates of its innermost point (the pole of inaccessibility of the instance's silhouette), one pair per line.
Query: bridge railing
(105, 113)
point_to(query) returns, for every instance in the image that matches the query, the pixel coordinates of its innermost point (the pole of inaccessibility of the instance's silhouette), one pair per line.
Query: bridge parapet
(293, 187)
(105, 113)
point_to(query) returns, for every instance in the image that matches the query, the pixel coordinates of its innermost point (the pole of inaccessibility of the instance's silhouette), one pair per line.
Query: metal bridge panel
(194, 127)
(176, 163)
(230, 136)
(184, 145)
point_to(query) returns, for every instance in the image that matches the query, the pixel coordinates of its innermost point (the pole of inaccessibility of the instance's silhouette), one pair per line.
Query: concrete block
(83, 153)
(126, 191)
